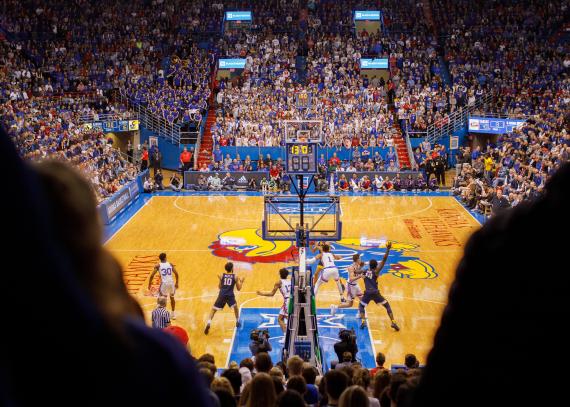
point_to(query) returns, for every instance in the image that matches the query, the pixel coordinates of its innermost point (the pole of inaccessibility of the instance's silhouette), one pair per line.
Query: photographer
(347, 343)
(259, 342)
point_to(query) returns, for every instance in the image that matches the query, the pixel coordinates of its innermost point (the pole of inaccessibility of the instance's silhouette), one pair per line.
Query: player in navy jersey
(371, 291)
(228, 281)
(284, 286)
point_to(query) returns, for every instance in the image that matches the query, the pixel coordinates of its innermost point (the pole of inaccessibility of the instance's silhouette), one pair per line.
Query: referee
(160, 315)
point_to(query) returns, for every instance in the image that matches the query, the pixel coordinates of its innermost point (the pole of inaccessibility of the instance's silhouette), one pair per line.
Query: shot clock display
(301, 158)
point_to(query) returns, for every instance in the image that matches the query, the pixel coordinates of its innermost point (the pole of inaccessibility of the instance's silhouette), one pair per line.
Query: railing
(170, 131)
(499, 115)
(158, 125)
(409, 147)
(457, 119)
(103, 117)
(197, 151)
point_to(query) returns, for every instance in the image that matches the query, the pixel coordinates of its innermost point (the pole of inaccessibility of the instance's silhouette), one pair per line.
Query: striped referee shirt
(160, 317)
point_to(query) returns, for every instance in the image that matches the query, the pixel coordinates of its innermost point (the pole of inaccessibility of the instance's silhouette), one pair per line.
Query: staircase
(207, 144)
(402, 151)
(400, 144)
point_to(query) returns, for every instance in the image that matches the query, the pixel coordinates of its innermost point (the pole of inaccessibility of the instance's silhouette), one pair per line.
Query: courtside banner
(238, 16)
(376, 63)
(373, 174)
(368, 15)
(118, 202)
(113, 205)
(231, 63)
(241, 177)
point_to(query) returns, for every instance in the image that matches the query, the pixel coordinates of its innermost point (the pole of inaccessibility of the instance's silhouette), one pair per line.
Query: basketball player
(353, 290)
(329, 268)
(167, 285)
(371, 291)
(317, 247)
(226, 296)
(283, 285)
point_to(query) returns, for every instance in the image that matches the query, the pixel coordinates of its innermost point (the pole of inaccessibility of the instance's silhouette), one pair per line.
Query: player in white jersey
(329, 269)
(353, 291)
(167, 284)
(284, 286)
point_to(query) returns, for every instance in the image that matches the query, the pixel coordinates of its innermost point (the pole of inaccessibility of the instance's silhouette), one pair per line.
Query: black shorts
(372, 296)
(222, 300)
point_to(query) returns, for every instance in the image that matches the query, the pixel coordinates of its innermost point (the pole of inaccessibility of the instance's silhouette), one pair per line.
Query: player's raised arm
(314, 259)
(381, 265)
(176, 274)
(271, 293)
(152, 275)
(239, 282)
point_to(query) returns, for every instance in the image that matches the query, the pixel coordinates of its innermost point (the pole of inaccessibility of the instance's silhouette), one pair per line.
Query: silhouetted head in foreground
(64, 332)
(509, 300)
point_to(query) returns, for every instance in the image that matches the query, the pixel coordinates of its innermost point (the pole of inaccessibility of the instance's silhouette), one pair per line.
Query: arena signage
(231, 63)
(377, 63)
(238, 15)
(114, 126)
(493, 125)
(367, 15)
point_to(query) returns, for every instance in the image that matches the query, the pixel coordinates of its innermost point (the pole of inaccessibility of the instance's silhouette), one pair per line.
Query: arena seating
(143, 53)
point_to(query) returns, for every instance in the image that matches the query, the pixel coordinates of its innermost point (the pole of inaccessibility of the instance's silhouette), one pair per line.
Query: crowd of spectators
(46, 126)
(178, 96)
(504, 48)
(42, 129)
(354, 108)
(517, 167)
(87, 45)
(144, 51)
(258, 381)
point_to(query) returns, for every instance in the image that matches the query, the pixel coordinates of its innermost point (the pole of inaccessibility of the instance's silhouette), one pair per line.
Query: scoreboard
(301, 158)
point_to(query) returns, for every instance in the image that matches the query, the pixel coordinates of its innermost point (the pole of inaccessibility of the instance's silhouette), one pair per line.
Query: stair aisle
(402, 151)
(207, 144)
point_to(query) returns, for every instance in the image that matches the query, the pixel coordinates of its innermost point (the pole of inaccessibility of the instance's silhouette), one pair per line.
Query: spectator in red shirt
(380, 360)
(334, 161)
(186, 159)
(274, 174)
(144, 159)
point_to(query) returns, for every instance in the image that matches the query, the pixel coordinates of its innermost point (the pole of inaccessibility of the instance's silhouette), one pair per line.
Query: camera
(348, 336)
(259, 335)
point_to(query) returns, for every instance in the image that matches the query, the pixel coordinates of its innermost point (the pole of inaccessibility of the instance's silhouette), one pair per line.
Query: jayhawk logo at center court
(246, 245)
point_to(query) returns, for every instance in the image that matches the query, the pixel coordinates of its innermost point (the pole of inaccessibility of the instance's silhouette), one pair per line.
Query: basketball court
(200, 233)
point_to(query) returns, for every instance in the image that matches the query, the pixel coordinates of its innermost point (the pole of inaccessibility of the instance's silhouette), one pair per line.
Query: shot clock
(301, 158)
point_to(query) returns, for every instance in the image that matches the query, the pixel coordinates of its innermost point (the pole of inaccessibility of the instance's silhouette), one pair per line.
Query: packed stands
(517, 167)
(151, 54)
(44, 125)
